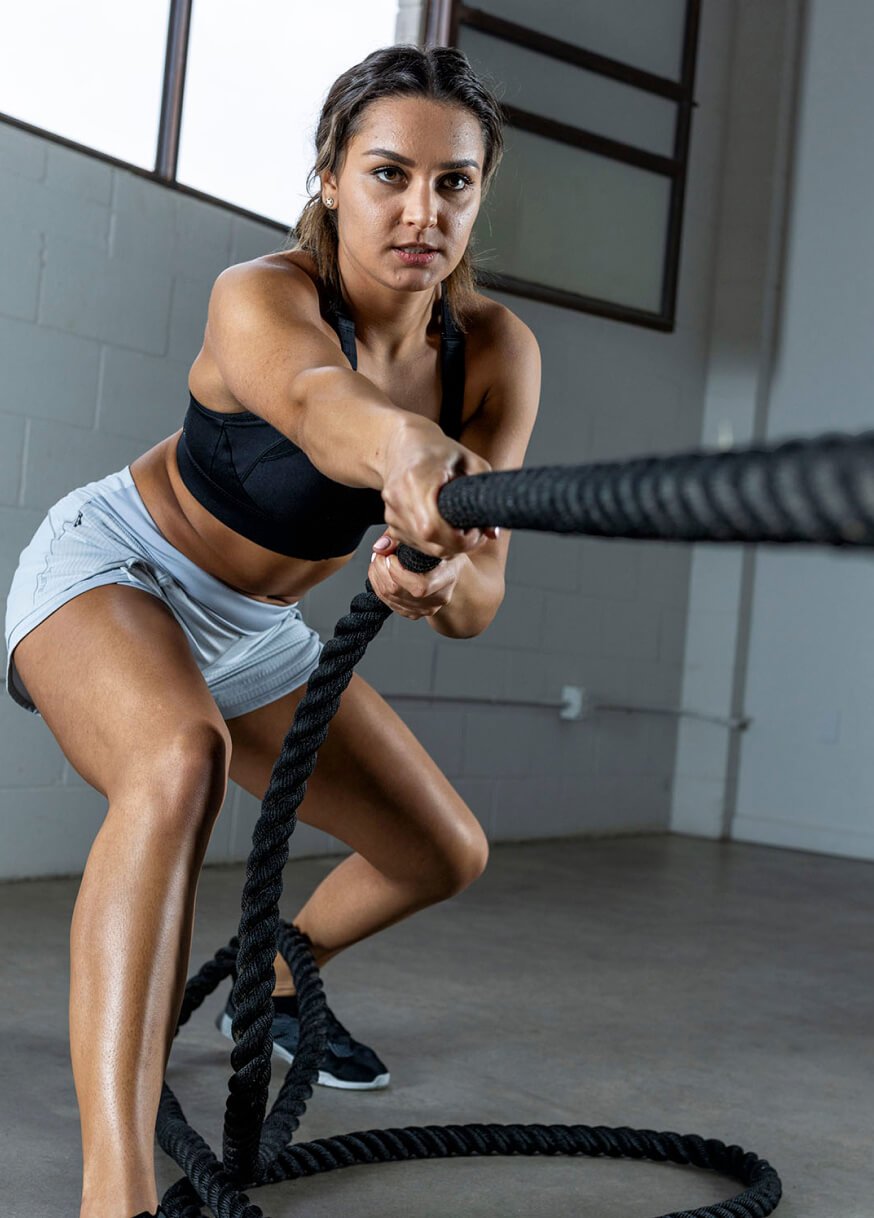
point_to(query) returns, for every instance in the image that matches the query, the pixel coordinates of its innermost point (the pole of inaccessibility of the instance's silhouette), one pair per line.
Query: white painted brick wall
(102, 308)
(19, 283)
(55, 450)
(804, 775)
(36, 208)
(22, 155)
(17, 526)
(758, 135)
(48, 374)
(120, 301)
(12, 431)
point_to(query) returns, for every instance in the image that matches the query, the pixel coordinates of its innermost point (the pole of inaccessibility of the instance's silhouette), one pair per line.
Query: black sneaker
(347, 1063)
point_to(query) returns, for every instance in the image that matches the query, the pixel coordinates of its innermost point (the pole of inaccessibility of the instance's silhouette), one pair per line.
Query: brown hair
(442, 74)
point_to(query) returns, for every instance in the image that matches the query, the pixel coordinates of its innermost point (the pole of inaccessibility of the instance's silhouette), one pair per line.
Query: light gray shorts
(249, 652)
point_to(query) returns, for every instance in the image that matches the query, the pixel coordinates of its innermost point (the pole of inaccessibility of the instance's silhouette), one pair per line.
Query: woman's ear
(328, 186)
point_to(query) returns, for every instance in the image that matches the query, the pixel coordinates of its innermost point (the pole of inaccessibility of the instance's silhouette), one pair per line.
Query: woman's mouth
(412, 255)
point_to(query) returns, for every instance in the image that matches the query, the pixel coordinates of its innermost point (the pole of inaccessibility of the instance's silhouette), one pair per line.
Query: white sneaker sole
(324, 1079)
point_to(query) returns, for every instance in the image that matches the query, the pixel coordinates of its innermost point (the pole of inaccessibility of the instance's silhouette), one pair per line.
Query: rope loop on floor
(818, 491)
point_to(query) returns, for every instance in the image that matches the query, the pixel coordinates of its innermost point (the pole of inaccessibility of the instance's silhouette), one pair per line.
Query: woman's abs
(212, 545)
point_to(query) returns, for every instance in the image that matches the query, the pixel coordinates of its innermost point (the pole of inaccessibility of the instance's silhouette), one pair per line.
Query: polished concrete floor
(659, 982)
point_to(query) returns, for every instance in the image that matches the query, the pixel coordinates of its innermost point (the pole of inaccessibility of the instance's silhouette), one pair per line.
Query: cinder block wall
(805, 778)
(102, 307)
(746, 300)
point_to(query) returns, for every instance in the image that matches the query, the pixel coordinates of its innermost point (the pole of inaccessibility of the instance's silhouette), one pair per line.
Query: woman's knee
(178, 780)
(459, 862)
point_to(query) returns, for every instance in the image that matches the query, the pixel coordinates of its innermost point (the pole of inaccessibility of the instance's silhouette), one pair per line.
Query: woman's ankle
(112, 1207)
(105, 1196)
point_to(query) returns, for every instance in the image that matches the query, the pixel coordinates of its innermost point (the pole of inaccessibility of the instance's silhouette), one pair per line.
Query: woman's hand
(410, 594)
(420, 460)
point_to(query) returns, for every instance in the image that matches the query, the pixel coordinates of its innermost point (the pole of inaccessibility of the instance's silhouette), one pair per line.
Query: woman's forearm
(345, 424)
(475, 601)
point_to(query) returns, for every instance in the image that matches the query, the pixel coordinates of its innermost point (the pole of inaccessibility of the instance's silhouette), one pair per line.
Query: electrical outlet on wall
(576, 702)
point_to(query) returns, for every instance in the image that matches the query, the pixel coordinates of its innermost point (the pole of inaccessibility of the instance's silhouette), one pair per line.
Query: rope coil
(818, 491)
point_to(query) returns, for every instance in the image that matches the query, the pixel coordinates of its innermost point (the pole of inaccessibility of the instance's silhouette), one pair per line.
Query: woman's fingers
(421, 463)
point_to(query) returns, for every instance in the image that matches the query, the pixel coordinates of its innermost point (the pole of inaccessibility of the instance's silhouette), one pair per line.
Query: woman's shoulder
(502, 361)
(300, 260)
(292, 265)
(495, 330)
(272, 283)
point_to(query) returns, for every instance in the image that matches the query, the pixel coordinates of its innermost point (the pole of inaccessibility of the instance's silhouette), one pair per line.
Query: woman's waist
(189, 527)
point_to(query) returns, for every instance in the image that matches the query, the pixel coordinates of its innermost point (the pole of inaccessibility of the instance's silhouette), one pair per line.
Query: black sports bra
(254, 479)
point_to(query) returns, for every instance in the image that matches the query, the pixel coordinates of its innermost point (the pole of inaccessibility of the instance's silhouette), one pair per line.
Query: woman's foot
(347, 1063)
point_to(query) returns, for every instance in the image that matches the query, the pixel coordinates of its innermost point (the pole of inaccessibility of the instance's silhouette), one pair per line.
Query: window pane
(91, 71)
(645, 33)
(568, 94)
(567, 218)
(257, 76)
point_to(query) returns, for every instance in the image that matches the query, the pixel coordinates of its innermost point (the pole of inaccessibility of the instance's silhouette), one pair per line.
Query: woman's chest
(445, 387)
(416, 386)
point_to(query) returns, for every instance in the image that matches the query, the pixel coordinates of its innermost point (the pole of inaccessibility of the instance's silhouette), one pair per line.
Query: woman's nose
(420, 207)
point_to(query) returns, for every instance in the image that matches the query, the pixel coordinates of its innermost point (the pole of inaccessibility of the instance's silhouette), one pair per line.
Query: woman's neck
(392, 325)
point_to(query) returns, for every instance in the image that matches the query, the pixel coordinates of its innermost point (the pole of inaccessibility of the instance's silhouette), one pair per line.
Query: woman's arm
(507, 360)
(264, 333)
(264, 336)
(499, 431)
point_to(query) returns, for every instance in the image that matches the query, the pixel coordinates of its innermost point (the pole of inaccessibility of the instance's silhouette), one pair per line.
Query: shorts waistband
(118, 496)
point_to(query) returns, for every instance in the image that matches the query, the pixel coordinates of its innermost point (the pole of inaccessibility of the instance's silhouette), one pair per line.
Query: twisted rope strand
(818, 490)
(259, 923)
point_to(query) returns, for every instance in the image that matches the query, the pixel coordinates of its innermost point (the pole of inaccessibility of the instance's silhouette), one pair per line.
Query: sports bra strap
(451, 372)
(451, 358)
(345, 327)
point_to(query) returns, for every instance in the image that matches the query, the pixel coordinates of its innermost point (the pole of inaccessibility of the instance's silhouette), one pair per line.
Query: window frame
(443, 22)
(443, 19)
(169, 126)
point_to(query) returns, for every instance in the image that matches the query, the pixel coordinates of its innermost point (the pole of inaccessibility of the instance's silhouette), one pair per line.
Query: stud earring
(329, 202)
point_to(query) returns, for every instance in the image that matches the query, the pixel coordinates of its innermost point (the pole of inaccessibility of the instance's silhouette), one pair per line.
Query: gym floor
(659, 982)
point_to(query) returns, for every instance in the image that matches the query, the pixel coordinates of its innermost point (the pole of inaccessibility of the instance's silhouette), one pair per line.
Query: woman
(342, 381)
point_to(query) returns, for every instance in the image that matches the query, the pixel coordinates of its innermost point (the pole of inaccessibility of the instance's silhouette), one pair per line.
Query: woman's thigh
(112, 674)
(374, 786)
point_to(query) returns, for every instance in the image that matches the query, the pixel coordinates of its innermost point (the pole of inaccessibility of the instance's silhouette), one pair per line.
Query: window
(214, 96)
(89, 71)
(586, 210)
(256, 78)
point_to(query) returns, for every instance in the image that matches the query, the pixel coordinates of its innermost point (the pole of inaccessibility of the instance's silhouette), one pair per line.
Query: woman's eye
(461, 178)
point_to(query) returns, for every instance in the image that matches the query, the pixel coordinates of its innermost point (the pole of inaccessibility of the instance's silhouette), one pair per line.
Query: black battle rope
(819, 490)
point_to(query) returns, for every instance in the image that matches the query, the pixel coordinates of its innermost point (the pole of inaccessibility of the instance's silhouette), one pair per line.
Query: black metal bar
(682, 136)
(175, 63)
(438, 22)
(569, 52)
(455, 22)
(513, 286)
(564, 133)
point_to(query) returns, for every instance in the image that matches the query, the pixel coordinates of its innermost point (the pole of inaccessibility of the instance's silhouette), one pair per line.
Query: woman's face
(411, 176)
